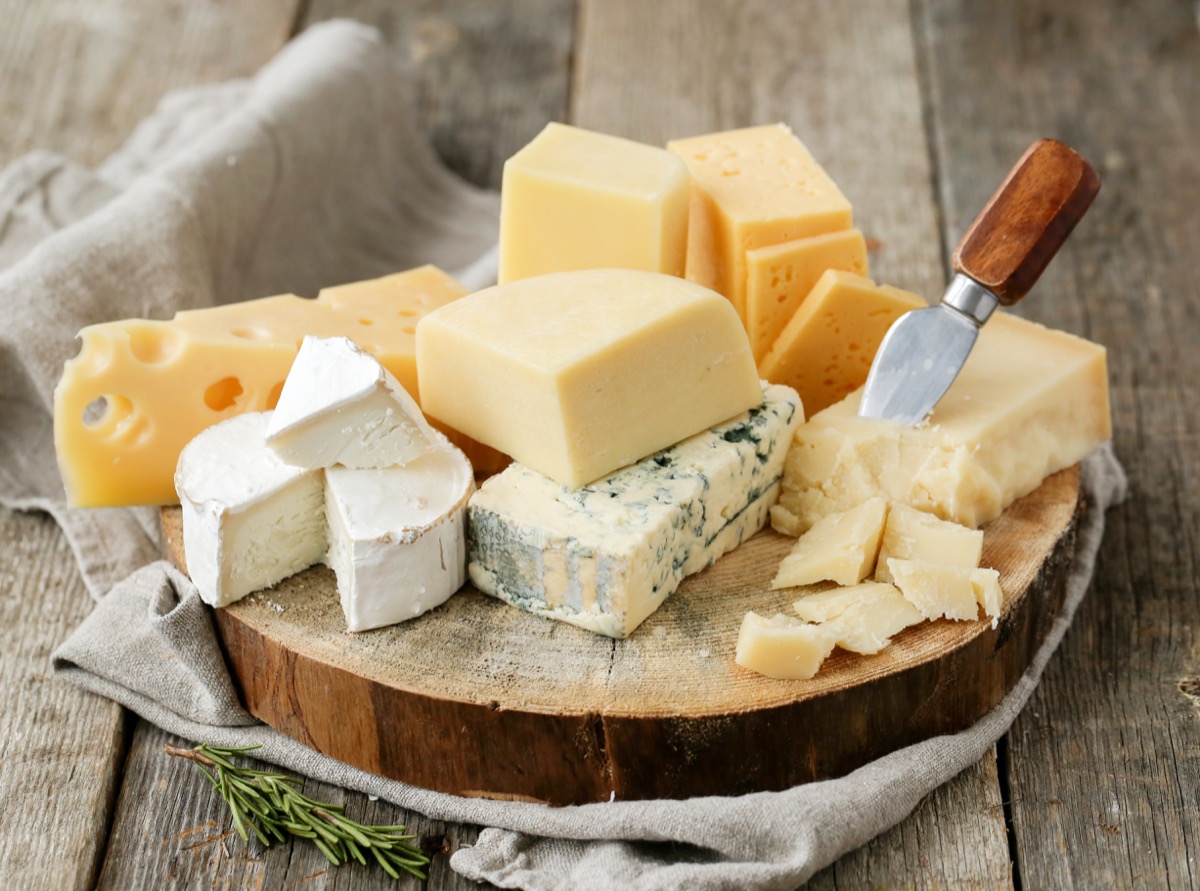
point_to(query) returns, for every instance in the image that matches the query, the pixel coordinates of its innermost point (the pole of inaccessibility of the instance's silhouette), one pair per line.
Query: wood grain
(1103, 762)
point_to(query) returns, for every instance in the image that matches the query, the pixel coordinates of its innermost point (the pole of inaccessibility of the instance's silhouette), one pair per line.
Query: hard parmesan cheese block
(577, 374)
(605, 556)
(574, 199)
(1028, 402)
(752, 188)
(912, 534)
(397, 540)
(838, 548)
(869, 624)
(936, 589)
(986, 584)
(340, 406)
(249, 519)
(782, 647)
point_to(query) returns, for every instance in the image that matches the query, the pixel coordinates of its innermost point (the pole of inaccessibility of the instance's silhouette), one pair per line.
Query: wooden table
(917, 108)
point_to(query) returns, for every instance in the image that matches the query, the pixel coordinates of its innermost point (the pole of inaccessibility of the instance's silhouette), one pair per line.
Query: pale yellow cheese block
(750, 189)
(912, 534)
(826, 348)
(779, 277)
(986, 583)
(577, 374)
(868, 625)
(937, 589)
(574, 199)
(838, 548)
(826, 605)
(1028, 402)
(782, 647)
(162, 382)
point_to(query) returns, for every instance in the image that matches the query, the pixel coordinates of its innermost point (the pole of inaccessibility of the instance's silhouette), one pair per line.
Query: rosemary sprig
(272, 806)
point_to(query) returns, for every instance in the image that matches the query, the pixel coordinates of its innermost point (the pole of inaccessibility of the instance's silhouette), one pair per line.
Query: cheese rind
(574, 199)
(912, 534)
(605, 556)
(1028, 402)
(936, 589)
(340, 406)
(249, 519)
(838, 548)
(579, 373)
(782, 647)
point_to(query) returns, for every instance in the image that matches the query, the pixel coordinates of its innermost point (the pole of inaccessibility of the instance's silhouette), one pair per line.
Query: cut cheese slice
(826, 349)
(158, 384)
(838, 548)
(750, 189)
(780, 277)
(869, 625)
(340, 406)
(579, 373)
(605, 556)
(826, 605)
(782, 647)
(936, 589)
(912, 534)
(986, 584)
(1028, 402)
(249, 519)
(574, 199)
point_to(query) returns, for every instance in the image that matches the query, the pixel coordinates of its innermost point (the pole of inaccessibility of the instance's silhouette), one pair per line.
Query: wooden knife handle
(1020, 230)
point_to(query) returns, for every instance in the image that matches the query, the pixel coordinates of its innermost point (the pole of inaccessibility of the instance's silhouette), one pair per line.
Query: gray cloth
(312, 175)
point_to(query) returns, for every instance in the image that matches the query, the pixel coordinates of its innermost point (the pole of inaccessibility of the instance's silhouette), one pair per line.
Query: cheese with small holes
(872, 615)
(340, 406)
(782, 647)
(139, 390)
(780, 277)
(826, 348)
(1029, 401)
(912, 534)
(606, 556)
(577, 374)
(838, 548)
(249, 519)
(574, 199)
(752, 188)
(937, 589)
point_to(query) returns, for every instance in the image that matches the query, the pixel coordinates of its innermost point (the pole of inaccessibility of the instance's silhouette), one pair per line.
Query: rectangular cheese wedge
(605, 556)
(826, 348)
(574, 199)
(750, 189)
(780, 277)
(782, 647)
(838, 548)
(1028, 402)
(139, 390)
(912, 534)
(869, 624)
(937, 589)
(249, 519)
(579, 373)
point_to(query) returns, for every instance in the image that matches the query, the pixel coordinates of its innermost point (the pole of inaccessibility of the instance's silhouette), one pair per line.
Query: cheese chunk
(579, 373)
(340, 406)
(1028, 402)
(986, 584)
(936, 589)
(838, 548)
(605, 556)
(780, 277)
(397, 536)
(912, 534)
(158, 384)
(573, 199)
(249, 519)
(782, 647)
(826, 349)
(868, 625)
(826, 605)
(750, 189)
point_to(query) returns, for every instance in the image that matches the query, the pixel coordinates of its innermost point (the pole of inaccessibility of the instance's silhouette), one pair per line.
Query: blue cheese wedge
(606, 555)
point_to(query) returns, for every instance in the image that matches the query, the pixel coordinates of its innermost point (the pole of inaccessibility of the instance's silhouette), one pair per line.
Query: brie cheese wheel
(397, 536)
(249, 519)
(340, 406)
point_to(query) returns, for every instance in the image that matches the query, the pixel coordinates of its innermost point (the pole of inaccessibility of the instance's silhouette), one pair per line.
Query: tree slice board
(479, 698)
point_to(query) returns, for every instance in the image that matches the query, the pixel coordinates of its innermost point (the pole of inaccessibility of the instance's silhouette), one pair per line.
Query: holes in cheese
(223, 394)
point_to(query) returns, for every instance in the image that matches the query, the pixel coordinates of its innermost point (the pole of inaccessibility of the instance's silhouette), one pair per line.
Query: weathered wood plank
(60, 748)
(844, 76)
(1104, 765)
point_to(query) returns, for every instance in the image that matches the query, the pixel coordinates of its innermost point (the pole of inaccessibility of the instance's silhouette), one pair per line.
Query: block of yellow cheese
(574, 199)
(139, 390)
(752, 188)
(576, 374)
(912, 534)
(936, 589)
(838, 548)
(1028, 402)
(826, 348)
(782, 647)
(779, 277)
(870, 619)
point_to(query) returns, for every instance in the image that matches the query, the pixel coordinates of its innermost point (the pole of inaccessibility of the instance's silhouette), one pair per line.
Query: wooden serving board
(479, 698)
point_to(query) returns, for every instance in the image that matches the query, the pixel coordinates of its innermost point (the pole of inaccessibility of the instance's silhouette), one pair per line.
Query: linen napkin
(313, 174)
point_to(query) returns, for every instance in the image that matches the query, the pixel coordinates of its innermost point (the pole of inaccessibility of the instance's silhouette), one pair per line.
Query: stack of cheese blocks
(345, 471)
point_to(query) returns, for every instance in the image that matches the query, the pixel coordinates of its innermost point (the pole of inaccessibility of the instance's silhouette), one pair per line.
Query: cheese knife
(995, 264)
